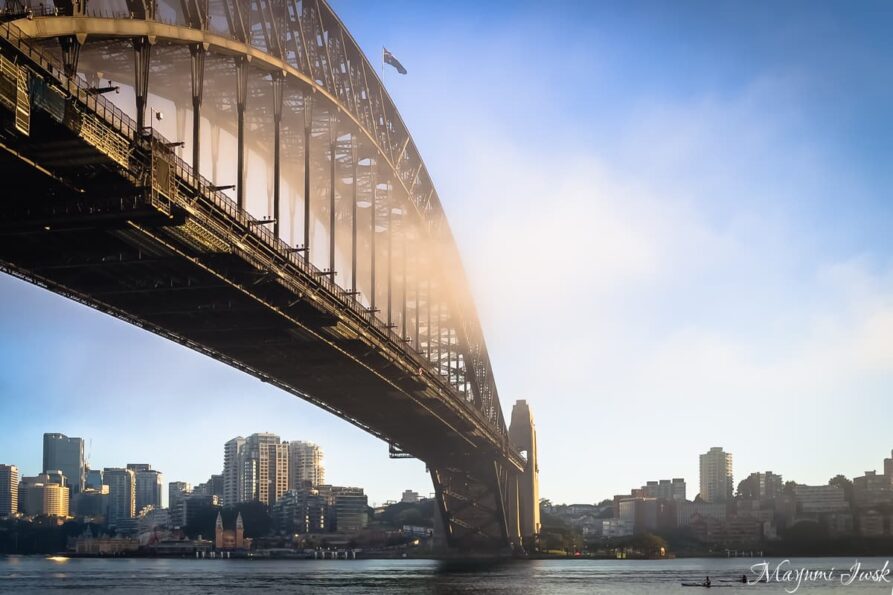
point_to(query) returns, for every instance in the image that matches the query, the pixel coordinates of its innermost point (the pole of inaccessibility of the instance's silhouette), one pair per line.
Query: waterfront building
(820, 499)
(230, 539)
(40, 495)
(305, 465)
(350, 509)
(716, 476)
(9, 490)
(66, 454)
(122, 495)
(148, 484)
(871, 524)
(617, 527)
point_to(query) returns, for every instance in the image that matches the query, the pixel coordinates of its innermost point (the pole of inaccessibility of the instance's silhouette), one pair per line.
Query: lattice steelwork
(340, 228)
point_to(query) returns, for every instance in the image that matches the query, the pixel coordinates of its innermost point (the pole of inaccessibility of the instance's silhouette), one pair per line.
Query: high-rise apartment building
(716, 475)
(148, 484)
(305, 467)
(255, 469)
(67, 455)
(232, 471)
(41, 495)
(278, 474)
(9, 490)
(122, 495)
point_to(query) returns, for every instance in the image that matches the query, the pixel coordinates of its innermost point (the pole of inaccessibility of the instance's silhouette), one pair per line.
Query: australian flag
(390, 59)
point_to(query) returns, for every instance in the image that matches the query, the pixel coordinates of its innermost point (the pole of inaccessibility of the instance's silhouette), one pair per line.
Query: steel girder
(307, 42)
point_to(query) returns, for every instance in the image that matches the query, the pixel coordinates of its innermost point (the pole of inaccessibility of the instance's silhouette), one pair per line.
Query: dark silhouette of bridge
(326, 267)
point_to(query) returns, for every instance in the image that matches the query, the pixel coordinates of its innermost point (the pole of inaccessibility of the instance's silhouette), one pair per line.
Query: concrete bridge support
(522, 434)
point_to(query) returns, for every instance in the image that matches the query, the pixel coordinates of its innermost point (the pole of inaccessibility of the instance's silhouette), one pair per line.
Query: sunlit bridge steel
(289, 228)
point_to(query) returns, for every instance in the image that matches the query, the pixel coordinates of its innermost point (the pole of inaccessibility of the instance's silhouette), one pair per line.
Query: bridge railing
(338, 297)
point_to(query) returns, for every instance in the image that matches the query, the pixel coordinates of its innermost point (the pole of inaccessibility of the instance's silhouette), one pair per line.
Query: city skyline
(735, 288)
(714, 465)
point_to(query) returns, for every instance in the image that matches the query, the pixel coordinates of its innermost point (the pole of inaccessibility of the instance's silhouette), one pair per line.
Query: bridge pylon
(522, 434)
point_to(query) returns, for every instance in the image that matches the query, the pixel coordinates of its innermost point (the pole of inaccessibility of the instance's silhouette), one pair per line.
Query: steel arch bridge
(317, 257)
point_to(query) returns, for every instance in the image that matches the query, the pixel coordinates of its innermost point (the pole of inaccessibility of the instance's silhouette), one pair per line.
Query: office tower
(9, 490)
(716, 475)
(41, 495)
(254, 469)
(94, 479)
(305, 467)
(177, 492)
(122, 495)
(66, 454)
(232, 467)
(148, 485)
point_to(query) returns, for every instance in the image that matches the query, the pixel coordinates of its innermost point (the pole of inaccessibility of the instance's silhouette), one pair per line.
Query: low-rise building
(820, 499)
(685, 511)
(871, 490)
(617, 528)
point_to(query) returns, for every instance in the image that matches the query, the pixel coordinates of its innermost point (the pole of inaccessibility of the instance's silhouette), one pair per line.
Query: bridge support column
(373, 206)
(333, 139)
(418, 310)
(278, 81)
(354, 155)
(197, 57)
(308, 127)
(241, 101)
(428, 333)
(141, 61)
(403, 289)
(522, 434)
(470, 504)
(390, 219)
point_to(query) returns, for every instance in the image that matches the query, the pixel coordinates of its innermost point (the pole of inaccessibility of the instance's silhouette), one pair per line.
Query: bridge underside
(99, 211)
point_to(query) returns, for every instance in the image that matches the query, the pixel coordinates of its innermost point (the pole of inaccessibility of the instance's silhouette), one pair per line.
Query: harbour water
(32, 574)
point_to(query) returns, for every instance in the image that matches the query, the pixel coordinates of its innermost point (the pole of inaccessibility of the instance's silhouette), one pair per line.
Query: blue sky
(675, 218)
